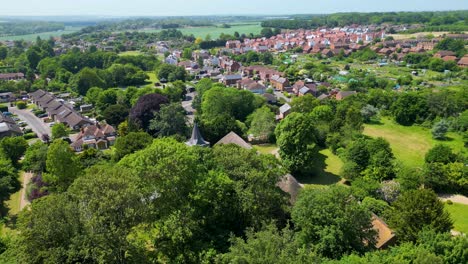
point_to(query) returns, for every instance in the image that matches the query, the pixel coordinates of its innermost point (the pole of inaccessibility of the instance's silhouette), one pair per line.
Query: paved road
(35, 123)
(187, 105)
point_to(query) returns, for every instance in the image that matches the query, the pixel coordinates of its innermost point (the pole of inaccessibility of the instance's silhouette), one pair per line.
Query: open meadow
(410, 143)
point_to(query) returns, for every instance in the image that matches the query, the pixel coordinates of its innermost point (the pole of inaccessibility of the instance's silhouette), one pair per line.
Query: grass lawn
(43, 35)
(131, 53)
(266, 148)
(459, 214)
(214, 32)
(410, 143)
(15, 199)
(327, 167)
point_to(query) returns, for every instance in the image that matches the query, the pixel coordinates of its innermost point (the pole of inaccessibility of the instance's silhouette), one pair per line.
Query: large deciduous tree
(333, 221)
(296, 139)
(170, 120)
(62, 166)
(143, 111)
(415, 210)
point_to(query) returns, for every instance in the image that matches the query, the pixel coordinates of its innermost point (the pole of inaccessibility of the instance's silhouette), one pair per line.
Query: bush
(3, 108)
(21, 105)
(449, 202)
(30, 135)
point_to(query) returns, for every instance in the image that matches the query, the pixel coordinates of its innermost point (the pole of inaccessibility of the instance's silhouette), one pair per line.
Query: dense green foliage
(343, 19)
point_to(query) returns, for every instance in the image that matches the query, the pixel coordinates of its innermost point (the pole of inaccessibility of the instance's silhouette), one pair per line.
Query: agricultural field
(410, 143)
(459, 214)
(418, 35)
(43, 35)
(214, 32)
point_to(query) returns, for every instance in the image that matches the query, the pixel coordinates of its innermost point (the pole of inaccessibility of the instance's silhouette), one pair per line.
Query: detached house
(94, 136)
(280, 83)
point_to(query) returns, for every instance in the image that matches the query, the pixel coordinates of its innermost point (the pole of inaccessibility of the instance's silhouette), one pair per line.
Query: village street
(35, 123)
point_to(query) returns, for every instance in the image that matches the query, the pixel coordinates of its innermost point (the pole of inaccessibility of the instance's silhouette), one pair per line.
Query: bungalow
(94, 136)
(6, 97)
(443, 53)
(463, 62)
(230, 80)
(11, 76)
(251, 85)
(8, 127)
(58, 110)
(343, 94)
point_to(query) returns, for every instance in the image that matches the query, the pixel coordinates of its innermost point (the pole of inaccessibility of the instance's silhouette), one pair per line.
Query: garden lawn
(459, 214)
(326, 169)
(266, 148)
(410, 143)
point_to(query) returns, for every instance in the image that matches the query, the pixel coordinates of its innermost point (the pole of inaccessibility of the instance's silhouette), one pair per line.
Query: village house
(94, 136)
(463, 62)
(230, 80)
(58, 110)
(17, 76)
(284, 110)
(6, 97)
(343, 94)
(229, 65)
(280, 83)
(251, 85)
(8, 127)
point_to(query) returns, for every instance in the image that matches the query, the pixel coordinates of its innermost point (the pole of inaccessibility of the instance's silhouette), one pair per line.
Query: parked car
(7, 114)
(42, 115)
(51, 124)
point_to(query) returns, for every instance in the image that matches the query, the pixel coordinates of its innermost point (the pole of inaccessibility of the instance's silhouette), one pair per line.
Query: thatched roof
(290, 185)
(233, 138)
(385, 236)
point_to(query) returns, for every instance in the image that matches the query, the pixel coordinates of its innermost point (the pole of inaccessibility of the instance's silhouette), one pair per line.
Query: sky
(215, 7)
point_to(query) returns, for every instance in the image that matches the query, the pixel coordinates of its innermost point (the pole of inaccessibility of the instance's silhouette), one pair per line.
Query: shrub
(30, 135)
(449, 202)
(21, 105)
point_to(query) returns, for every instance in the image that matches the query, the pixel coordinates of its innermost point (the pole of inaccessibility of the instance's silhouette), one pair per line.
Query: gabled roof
(385, 235)
(284, 108)
(233, 138)
(290, 185)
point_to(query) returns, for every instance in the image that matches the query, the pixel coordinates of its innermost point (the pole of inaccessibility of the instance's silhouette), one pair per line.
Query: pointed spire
(197, 139)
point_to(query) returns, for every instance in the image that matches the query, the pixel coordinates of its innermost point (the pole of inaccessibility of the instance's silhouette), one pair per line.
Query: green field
(131, 53)
(410, 143)
(215, 31)
(459, 214)
(43, 35)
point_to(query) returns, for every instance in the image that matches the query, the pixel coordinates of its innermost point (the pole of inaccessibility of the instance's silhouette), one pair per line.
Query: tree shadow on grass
(318, 175)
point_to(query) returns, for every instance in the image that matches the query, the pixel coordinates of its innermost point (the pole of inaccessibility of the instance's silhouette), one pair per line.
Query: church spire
(197, 139)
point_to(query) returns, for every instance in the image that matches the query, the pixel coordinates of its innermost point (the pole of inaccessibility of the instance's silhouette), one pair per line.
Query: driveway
(187, 105)
(34, 122)
(281, 95)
